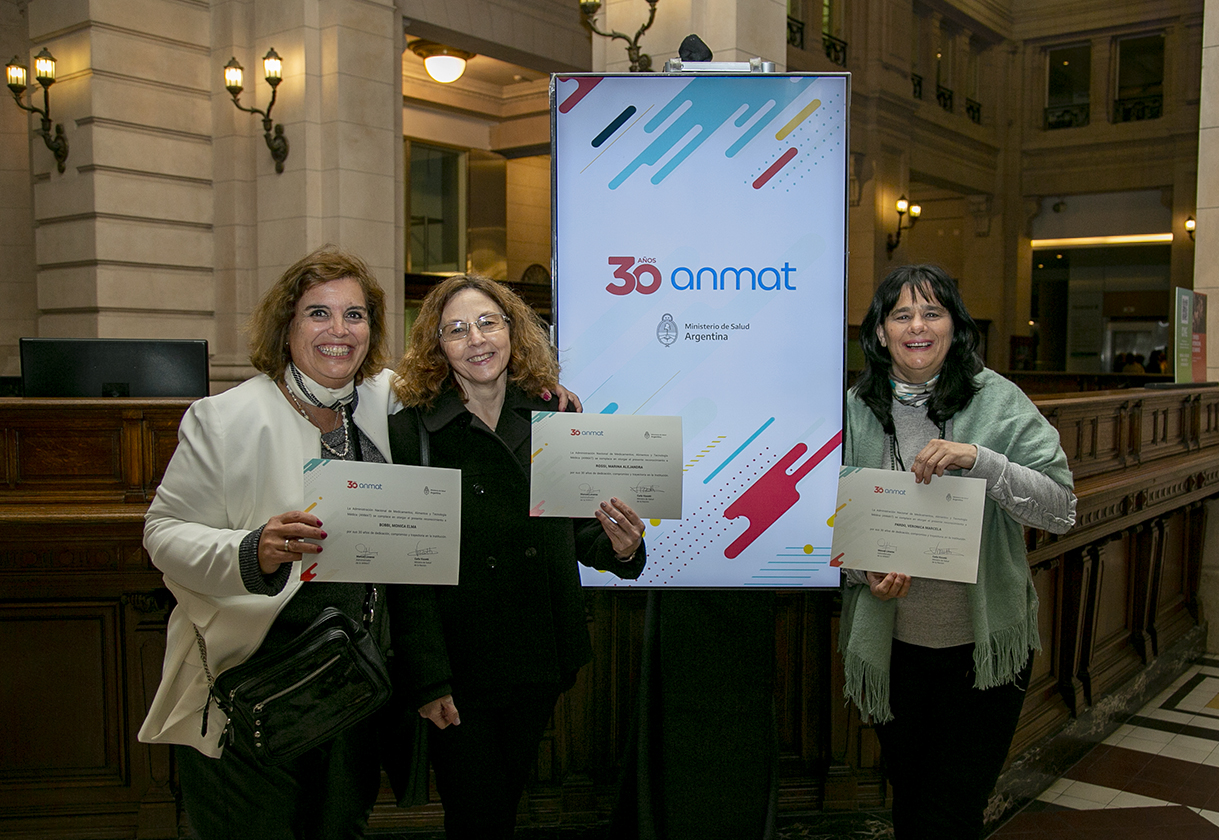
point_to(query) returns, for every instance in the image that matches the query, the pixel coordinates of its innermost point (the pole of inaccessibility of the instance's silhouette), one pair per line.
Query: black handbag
(289, 700)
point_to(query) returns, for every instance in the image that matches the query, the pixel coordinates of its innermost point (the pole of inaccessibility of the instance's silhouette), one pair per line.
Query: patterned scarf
(913, 395)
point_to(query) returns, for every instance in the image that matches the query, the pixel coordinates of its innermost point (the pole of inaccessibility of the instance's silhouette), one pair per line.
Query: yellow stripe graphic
(799, 118)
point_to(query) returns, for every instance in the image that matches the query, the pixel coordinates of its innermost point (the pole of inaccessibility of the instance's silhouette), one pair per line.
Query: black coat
(517, 614)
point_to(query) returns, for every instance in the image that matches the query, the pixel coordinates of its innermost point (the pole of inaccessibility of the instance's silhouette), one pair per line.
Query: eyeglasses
(457, 330)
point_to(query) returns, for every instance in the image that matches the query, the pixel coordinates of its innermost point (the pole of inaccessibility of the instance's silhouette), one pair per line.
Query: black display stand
(703, 754)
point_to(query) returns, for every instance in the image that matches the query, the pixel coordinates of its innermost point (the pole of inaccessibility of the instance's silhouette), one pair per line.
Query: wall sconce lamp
(1190, 226)
(443, 64)
(640, 62)
(44, 71)
(903, 207)
(273, 72)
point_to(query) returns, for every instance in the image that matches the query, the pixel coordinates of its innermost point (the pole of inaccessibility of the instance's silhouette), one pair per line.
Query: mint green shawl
(1003, 603)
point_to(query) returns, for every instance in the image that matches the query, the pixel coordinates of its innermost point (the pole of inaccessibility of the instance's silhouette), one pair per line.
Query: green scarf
(1003, 603)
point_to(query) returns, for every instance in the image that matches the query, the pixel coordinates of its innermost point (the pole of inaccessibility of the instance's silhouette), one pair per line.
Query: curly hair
(270, 324)
(424, 370)
(955, 387)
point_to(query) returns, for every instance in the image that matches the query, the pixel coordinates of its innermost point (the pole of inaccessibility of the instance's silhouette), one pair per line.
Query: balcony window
(1068, 89)
(1140, 78)
(944, 96)
(806, 17)
(795, 32)
(835, 49)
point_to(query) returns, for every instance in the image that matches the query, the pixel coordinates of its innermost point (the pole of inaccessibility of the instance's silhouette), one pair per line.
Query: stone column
(1100, 94)
(18, 280)
(1206, 280)
(170, 219)
(340, 103)
(124, 235)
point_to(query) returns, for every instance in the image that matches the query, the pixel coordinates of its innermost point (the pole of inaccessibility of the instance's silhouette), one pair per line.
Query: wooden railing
(83, 615)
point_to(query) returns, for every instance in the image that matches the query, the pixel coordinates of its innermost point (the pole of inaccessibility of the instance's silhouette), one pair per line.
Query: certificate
(384, 523)
(885, 522)
(580, 460)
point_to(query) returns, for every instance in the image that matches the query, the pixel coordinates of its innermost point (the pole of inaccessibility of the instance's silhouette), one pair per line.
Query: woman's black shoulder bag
(289, 700)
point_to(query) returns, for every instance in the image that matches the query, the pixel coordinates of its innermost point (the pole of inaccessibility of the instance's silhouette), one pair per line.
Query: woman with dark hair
(505, 642)
(943, 666)
(228, 529)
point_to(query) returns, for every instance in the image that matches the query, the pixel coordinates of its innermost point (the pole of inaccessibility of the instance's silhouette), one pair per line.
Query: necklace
(895, 452)
(305, 389)
(342, 414)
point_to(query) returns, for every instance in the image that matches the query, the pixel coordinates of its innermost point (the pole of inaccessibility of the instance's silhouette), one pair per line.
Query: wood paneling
(85, 611)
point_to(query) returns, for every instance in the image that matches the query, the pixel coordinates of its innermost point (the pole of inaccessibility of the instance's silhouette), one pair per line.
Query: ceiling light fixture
(1092, 241)
(444, 64)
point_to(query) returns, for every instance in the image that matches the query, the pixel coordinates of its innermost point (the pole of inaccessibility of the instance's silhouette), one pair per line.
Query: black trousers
(482, 764)
(325, 794)
(945, 747)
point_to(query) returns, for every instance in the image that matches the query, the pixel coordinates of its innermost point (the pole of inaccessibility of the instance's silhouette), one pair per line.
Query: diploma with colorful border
(885, 522)
(580, 460)
(384, 523)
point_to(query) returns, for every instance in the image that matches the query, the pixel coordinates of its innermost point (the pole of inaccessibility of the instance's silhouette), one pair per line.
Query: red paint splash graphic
(773, 494)
(308, 574)
(783, 161)
(583, 85)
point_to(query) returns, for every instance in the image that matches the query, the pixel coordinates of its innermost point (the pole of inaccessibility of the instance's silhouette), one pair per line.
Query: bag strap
(211, 680)
(370, 603)
(354, 430)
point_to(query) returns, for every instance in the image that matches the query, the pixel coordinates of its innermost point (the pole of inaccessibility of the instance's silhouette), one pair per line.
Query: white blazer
(238, 463)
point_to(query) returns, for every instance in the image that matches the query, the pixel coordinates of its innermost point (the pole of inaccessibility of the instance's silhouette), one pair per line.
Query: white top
(239, 462)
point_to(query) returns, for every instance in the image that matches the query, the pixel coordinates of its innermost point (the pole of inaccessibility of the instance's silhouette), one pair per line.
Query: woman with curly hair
(505, 642)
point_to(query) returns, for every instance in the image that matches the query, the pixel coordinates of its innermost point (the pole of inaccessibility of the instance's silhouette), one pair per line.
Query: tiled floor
(1157, 773)
(1154, 776)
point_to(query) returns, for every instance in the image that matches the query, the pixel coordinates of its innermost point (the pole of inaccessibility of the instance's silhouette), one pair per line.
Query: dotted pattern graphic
(819, 142)
(674, 546)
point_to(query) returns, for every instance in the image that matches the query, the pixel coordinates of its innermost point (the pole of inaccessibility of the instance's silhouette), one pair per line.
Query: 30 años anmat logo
(644, 276)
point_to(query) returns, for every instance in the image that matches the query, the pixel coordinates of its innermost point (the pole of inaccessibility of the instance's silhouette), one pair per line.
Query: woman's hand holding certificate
(886, 521)
(385, 523)
(580, 460)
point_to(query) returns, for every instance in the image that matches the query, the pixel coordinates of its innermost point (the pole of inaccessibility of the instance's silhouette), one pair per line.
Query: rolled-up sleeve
(1028, 496)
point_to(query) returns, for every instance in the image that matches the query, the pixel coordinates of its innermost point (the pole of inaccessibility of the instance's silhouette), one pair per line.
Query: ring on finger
(287, 545)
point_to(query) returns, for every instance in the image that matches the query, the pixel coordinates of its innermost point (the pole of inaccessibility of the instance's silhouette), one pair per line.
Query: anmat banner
(700, 272)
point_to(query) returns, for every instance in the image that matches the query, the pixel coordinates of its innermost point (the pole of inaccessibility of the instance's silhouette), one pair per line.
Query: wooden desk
(82, 617)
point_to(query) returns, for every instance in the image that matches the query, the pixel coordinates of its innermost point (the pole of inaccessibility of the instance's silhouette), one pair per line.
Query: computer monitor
(113, 367)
